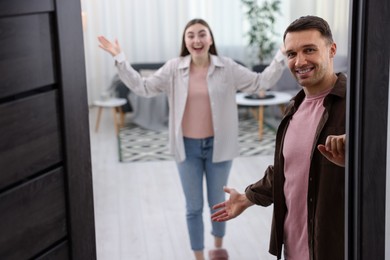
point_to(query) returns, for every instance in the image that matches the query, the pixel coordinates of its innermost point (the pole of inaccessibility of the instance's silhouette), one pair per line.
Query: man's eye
(290, 55)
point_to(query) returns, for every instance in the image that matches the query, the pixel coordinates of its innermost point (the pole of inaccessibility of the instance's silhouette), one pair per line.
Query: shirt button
(310, 178)
(311, 200)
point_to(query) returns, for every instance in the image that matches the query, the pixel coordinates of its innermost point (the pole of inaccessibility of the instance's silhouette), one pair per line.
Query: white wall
(150, 30)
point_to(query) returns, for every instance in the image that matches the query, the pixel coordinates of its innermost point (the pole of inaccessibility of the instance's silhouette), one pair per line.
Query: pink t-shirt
(297, 148)
(197, 121)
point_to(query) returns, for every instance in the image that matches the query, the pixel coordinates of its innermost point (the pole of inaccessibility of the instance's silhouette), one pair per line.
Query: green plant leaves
(262, 18)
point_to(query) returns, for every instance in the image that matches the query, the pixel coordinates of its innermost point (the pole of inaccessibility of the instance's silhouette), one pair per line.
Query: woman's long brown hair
(184, 51)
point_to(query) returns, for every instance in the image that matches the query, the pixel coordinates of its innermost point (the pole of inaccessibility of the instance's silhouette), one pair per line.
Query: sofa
(122, 91)
(150, 113)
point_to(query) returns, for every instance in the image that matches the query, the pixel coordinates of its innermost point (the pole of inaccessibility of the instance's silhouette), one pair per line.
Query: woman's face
(198, 40)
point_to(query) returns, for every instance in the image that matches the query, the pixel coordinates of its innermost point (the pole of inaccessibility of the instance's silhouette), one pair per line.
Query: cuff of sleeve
(121, 57)
(258, 198)
(249, 194)
(279, 56)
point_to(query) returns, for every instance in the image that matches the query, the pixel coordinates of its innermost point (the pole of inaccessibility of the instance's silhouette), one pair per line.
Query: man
(306, 182)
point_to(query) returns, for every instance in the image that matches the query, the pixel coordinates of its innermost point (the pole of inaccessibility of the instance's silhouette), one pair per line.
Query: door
(46, 199)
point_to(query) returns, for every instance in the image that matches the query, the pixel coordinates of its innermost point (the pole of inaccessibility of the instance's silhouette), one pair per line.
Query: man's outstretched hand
(232, 207)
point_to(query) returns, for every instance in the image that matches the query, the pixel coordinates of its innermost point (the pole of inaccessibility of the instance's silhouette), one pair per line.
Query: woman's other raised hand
(111, 47)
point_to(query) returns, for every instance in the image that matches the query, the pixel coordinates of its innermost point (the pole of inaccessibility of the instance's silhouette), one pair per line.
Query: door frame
(367, 113)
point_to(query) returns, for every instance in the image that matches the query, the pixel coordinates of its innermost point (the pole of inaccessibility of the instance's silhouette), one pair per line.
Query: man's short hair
(310, 22)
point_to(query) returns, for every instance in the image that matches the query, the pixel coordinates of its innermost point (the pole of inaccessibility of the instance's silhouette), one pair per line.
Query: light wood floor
(139, 207)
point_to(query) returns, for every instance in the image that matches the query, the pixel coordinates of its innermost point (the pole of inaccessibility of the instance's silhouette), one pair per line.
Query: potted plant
(261, 34)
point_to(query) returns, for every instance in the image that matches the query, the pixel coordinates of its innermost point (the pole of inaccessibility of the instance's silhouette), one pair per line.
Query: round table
(279, 98)
(115, 104)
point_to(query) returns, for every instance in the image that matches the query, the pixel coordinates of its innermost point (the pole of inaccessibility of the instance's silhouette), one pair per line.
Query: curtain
(151, 30)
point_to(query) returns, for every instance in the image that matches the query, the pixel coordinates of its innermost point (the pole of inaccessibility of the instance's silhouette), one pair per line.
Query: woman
(203, 122)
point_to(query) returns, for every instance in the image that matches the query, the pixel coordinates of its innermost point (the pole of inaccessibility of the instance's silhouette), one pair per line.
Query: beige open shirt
(225, 77)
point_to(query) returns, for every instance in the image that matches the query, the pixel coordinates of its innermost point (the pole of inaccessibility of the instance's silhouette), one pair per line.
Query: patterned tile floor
(137, 144)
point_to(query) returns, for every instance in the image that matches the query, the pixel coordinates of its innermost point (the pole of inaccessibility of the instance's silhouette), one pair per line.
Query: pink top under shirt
(197, 121)
(297, 147)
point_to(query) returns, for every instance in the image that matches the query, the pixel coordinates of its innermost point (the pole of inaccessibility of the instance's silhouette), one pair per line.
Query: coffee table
(279, 98)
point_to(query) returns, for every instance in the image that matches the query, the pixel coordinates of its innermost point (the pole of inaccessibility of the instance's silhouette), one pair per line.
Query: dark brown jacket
(325, 200)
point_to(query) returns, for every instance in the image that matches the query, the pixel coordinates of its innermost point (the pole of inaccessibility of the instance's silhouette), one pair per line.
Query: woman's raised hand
(111, 47)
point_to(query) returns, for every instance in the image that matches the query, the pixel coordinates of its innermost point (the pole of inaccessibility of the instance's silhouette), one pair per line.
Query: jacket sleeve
(246, 80)
(150, 86)
(261, 192)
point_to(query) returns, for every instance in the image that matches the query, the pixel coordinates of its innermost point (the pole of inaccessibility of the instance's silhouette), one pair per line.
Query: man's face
(310, 58)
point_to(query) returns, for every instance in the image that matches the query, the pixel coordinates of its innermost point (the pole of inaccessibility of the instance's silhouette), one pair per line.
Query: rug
(137, 144)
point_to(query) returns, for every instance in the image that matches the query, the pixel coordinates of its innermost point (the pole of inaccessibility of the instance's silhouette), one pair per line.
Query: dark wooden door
(368, 133)
(46, 200)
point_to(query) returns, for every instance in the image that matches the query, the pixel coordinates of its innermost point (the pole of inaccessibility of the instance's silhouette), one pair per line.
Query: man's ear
(332, 50)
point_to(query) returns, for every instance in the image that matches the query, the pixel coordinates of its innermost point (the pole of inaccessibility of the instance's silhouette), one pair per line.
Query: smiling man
(305, 184)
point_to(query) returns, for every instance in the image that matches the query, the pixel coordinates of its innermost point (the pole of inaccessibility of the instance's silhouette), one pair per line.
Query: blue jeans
(198, 163)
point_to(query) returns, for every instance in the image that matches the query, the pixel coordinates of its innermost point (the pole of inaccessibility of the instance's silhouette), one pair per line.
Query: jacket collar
(338, 90)
(215, 61)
